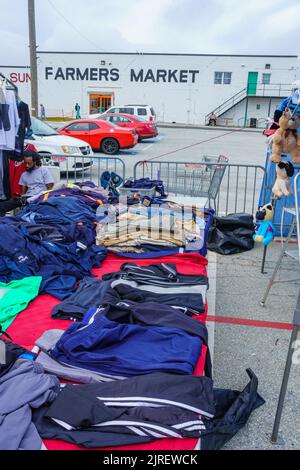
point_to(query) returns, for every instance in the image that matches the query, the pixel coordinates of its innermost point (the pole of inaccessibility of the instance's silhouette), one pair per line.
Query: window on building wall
(258, 106)
(227, 78)
(222, 78)
(218, 78)
(267, 66)
(266, 78)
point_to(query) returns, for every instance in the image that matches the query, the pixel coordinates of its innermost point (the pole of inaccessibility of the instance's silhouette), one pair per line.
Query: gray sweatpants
(23, 387)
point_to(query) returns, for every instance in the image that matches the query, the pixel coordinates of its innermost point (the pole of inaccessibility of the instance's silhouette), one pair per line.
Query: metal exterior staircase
(272, 90)
(228, 104)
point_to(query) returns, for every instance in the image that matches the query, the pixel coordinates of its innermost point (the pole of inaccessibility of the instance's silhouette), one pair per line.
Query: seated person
(36, 178)
(212, 119)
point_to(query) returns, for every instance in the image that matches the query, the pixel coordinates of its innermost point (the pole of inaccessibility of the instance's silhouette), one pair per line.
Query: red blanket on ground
(32, 322)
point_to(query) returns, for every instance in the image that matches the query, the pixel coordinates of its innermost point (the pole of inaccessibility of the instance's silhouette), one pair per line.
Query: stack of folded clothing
(134, 321)
(86, 192)
(54, 239)
(161, 229)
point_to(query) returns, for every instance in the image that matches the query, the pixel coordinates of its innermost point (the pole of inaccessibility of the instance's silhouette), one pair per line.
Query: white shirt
(8, 138)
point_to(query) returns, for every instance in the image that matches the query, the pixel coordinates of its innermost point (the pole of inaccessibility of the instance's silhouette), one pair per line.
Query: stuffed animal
(266, 231)
(286, 139)
(282, 187)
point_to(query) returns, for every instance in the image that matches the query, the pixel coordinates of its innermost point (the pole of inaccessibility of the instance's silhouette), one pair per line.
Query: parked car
(101, 135)
(141, 110)
(53, 146)
(144, 129)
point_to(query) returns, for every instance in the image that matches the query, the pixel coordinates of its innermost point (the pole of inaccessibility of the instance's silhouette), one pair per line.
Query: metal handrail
(232, 98)
(264, 87)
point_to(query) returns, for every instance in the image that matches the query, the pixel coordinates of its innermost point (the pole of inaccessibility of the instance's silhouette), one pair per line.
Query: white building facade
(182, 88)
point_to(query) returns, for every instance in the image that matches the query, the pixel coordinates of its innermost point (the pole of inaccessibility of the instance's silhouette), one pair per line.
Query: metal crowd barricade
(70, 168)
(229, 187)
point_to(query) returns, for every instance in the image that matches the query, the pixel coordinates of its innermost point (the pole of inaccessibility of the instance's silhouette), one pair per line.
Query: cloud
(182, 26)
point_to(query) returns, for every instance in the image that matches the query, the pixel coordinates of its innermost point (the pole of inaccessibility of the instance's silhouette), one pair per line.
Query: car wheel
(109, 146)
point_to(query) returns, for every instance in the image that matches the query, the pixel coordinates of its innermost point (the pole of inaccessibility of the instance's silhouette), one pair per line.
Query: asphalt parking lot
(180, 144)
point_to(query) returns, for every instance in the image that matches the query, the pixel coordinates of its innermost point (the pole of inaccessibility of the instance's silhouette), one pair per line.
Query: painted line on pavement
(248, 322)
(211, 298)
(146, 148)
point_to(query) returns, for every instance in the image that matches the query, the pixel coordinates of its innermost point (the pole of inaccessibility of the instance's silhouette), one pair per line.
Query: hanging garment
(4, 182)
(4, 119)
(23, 130)
(2, 191)
(147, 408)
(9, 140)
(22, 388)
(16, 169)
(15, 296)
(105, 346)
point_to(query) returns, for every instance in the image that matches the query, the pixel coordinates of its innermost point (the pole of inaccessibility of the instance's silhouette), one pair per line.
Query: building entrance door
(252, 83)
(99, 103)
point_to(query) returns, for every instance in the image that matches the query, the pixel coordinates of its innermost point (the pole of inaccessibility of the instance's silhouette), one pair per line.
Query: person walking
(42, 112)
(77, 111)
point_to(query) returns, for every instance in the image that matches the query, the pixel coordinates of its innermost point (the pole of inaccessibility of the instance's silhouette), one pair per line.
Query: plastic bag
(231, 234)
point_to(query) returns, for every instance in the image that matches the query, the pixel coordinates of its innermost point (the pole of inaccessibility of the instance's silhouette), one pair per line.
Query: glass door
(100, 103)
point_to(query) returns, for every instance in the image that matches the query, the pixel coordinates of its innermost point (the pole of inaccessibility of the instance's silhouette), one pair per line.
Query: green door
(252, 83)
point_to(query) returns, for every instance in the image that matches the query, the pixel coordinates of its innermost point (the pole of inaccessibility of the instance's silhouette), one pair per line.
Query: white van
(142, 110)
(53, 146)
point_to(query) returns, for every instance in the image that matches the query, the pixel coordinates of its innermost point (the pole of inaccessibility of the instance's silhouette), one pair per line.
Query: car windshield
(41, 128)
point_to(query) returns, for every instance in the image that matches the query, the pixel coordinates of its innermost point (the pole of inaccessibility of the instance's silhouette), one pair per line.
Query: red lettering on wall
(19, 77)
(13, 77)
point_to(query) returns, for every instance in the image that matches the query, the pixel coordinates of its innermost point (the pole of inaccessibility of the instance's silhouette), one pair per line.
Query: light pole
(33, 59)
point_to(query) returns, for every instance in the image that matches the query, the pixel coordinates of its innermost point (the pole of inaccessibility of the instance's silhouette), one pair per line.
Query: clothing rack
(12, 86)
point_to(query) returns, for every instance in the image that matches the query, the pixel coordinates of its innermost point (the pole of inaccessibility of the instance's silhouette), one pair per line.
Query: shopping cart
(202, 179)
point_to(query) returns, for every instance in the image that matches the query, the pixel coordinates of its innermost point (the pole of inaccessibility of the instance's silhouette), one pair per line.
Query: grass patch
(60, 119)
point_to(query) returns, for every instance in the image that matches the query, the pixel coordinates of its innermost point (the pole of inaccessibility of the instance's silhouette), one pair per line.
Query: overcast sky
(187, 26)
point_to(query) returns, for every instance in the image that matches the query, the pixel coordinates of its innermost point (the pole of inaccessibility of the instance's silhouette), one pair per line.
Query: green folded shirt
(15, 296)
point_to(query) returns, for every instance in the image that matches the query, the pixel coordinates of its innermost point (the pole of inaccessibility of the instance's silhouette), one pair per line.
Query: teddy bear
(266, 231)
(282, 187)
(286, 139)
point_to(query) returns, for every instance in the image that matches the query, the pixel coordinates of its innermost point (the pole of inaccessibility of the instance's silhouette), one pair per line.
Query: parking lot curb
(216, 128)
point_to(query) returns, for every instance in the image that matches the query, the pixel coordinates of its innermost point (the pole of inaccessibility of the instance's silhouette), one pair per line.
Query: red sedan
(145, 129)
(101, 135)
